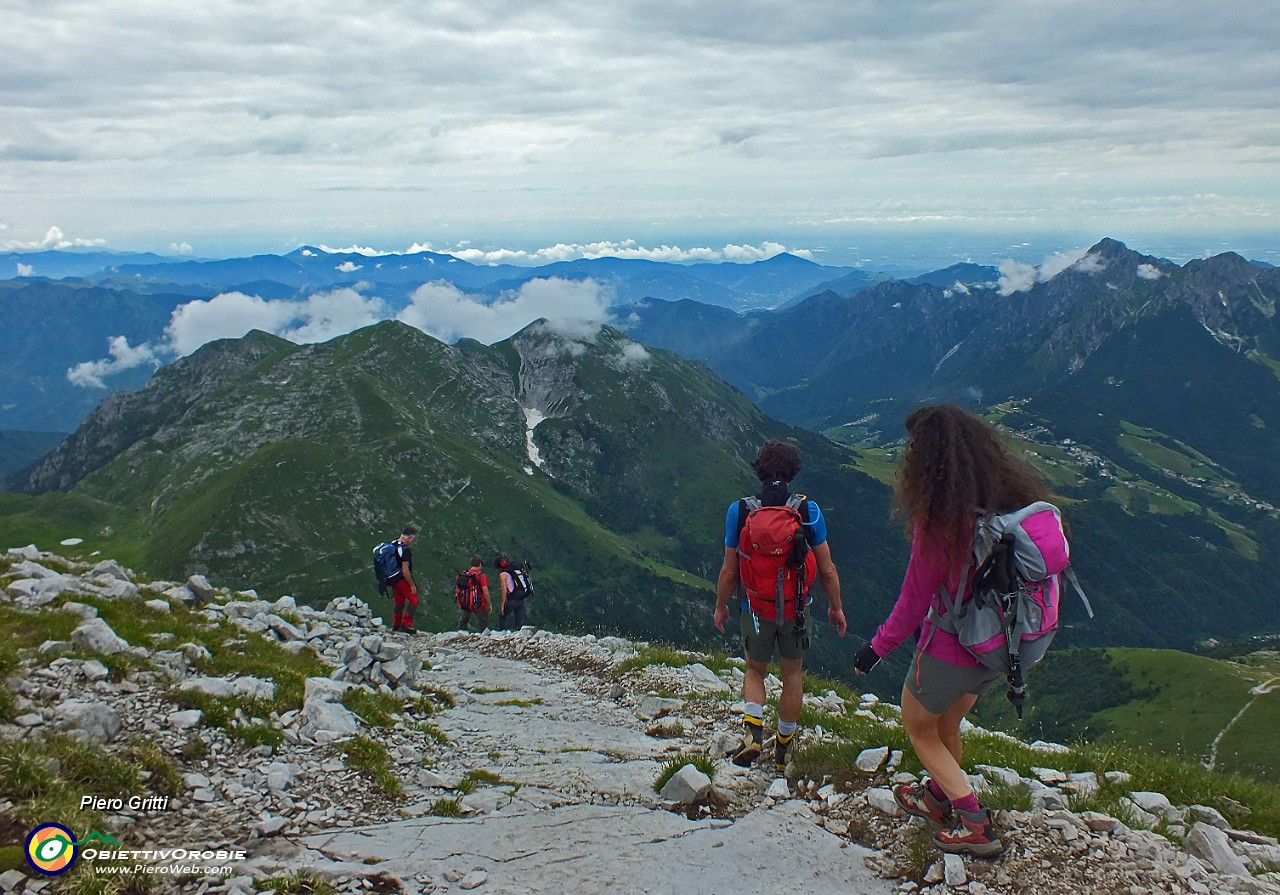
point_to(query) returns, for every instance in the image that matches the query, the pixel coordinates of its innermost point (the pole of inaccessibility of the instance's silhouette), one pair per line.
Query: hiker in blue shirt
(774, 545)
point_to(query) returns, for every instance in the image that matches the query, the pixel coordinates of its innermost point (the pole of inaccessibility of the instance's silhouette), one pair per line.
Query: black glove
(865, 660)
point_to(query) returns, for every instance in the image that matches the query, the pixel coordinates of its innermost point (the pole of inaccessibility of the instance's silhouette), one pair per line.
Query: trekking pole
(1017, 690)
(1010, 587)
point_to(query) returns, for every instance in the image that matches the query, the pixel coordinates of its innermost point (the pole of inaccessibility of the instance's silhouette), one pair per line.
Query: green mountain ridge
(269, 465)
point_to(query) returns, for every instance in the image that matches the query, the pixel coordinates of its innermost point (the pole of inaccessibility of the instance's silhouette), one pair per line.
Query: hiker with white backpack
(982, 589)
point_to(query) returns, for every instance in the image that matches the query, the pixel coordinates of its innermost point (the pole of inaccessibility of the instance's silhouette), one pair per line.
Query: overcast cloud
(501, 126)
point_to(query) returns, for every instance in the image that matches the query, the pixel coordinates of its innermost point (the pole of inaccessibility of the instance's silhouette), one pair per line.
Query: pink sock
(935, 790)
(967, 803)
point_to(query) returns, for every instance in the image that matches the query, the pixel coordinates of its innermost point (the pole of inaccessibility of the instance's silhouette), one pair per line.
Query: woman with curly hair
(954, 467)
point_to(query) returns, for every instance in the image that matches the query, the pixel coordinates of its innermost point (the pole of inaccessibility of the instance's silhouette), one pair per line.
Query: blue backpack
(386, 564)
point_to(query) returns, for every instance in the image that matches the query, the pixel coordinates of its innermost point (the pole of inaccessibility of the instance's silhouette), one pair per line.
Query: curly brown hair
(777, 461)
(954, 465)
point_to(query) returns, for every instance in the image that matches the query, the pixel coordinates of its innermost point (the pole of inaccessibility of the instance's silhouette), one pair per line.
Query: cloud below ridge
(439, 309)
(444, 311)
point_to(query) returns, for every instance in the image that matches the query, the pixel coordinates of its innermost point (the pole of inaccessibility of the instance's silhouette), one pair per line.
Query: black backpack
(521, 584)
(386, 564)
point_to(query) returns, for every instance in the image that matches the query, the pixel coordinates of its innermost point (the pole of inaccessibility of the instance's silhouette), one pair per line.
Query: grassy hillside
(1222, 713)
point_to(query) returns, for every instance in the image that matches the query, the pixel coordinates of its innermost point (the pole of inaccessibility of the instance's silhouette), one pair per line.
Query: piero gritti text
(132, 803)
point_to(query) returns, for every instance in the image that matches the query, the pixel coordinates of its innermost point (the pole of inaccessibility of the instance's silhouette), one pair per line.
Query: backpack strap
(745, 506)
(1070, 575)
(947, 621)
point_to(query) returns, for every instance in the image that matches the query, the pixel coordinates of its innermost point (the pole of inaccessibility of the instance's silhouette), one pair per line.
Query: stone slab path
(576, 810)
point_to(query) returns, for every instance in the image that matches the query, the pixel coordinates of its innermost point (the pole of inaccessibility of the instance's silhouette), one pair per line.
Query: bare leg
(936, 739)
(753, 681)
(792, 690)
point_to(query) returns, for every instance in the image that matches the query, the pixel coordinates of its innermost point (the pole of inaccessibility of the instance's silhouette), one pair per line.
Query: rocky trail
(575, 807)
(514, 762)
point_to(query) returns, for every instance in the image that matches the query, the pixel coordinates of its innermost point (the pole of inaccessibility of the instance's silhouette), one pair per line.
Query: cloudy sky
(836, 127)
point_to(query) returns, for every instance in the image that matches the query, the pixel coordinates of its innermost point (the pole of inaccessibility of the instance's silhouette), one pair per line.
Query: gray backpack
(1011, 615)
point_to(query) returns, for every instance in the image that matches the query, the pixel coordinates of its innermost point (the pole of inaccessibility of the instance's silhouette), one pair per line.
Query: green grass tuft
(300, 883)
(371, 758)
(651, 655)
(432, 731)
(447, 808)
(700, 760)
(375, 709)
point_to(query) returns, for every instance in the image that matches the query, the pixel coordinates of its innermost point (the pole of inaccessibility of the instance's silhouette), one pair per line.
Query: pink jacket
(927, 569)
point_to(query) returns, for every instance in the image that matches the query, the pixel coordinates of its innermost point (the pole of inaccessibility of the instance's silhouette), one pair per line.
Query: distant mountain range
(62, 308)
(1191, 353)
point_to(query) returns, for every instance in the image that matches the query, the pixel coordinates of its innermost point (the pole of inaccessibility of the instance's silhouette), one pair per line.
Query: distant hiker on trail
(954, 467)
(513, 579)
(404, 593)
(773, 544)
(471, 593)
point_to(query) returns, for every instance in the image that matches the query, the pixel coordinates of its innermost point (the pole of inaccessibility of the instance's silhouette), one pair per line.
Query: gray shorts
(758, 646)
(936, 684)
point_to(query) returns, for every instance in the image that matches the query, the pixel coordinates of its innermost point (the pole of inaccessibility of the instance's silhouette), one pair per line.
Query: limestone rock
(1212, 846)
(869, 760)
(778, 789)
(656, 706)
(200, 588)
(93, 722)
(686, 786)
(882, 800)
(327, 722)
(95, 636)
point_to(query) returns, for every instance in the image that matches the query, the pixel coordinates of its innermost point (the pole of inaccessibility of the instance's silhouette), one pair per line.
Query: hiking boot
(397, 628)
(780, 744)
(972, 832)
(752, 744)
(409, 629)
(915, 799)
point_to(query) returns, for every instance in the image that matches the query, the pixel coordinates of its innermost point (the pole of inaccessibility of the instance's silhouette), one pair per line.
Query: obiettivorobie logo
(52, 849)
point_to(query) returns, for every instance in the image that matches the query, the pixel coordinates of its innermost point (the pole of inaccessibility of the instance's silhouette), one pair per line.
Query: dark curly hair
(954, 465)
(777, 461)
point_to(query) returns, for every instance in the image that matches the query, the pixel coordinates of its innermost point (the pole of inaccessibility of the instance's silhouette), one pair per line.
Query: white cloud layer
(627, 248)
(121, 356)
(1016, 276)
(574, 309)
(442, 310)
(231, 315)
(53, 239)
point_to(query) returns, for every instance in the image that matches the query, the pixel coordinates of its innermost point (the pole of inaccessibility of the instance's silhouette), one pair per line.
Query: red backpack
(775, 564)
(467, 592)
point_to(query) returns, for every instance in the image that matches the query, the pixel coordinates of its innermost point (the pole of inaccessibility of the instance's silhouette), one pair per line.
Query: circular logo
(51, 849)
